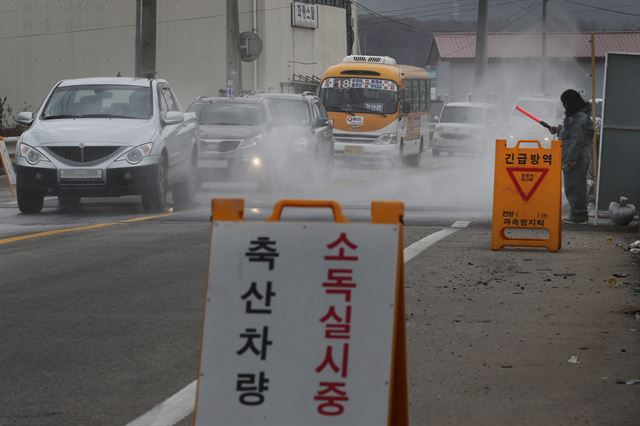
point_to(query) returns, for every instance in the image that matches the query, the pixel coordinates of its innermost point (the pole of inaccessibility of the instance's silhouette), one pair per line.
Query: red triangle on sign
(530, 179)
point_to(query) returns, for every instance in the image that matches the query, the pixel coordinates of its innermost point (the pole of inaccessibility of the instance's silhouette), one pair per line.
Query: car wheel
(30, 202)
(402, 161)
(184, 194)
(154, 198)
(68, 203)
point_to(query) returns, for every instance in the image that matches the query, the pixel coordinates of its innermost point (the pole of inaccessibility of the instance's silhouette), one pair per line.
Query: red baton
(533, 117)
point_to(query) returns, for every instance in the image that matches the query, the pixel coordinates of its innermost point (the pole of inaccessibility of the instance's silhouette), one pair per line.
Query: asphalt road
(100, 309)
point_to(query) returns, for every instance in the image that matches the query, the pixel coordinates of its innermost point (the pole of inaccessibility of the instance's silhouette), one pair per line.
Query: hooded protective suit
(576, 134)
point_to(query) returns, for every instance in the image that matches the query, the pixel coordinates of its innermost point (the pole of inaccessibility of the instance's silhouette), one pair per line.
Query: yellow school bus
(379, 109)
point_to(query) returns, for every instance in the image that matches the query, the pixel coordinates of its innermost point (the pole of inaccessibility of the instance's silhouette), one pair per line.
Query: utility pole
(234, 72)
(348, 9)
(480, 75)
(543, 63)
(145, 49)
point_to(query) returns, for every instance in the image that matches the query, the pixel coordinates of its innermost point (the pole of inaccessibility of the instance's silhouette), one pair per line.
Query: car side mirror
(406, 107)
(173, 117)
(321, 122)
(25, 118)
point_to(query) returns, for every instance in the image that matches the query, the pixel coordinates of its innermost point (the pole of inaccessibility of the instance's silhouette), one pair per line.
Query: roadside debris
(621, 213)
(628, 381)
(573, 359)
(635, 247)
(565, 275)
(613, 281)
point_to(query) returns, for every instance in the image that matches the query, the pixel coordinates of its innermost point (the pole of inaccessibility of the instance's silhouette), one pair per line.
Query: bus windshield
(359, 95)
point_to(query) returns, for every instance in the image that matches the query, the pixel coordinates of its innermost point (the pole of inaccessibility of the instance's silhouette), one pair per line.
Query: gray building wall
(44, 41)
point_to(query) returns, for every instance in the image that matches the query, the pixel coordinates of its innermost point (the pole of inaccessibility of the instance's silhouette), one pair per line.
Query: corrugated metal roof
(529, 45)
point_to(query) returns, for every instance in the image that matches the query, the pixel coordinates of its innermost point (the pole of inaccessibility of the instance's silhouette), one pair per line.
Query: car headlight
(32, 155)
(386, 139)
(249, 142)
(135, 155)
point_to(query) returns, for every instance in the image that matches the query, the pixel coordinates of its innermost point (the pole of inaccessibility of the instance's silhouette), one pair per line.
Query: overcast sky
(629, 10)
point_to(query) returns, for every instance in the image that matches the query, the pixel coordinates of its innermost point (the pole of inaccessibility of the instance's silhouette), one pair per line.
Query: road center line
(70, 230)
(180, 405)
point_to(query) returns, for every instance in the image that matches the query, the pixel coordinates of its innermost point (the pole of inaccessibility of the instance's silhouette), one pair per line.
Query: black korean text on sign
(253, 297)
(250, 335)
(251, 388)
(263, 250)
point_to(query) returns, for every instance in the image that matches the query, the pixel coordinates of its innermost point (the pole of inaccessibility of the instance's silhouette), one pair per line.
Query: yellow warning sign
(527, 195)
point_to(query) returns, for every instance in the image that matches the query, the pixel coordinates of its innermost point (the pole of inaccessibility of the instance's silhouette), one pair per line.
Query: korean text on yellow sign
(527, 195)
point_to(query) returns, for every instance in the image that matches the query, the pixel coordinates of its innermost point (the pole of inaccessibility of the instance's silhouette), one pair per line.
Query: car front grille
(216, 145)
(85, 154)
(351, 138)
(459, 136)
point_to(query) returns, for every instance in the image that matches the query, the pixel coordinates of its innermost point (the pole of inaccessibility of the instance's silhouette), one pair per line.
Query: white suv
(107, 137)
(468, 127)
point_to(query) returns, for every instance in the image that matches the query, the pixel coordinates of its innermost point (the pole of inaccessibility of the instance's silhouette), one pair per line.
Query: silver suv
(107, 137)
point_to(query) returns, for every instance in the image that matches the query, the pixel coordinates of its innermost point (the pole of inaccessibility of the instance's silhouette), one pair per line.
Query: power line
(115, 27)
(423, 8)
(393, 21)
(604, 9)
(369, 21)
(513, 19)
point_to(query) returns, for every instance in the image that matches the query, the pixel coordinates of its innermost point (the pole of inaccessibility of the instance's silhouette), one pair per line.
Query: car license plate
(81, 174)
(353, 150)
(214, 164)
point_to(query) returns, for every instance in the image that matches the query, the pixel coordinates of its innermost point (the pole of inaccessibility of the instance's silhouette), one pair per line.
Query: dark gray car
(262, 138)
(232, 134)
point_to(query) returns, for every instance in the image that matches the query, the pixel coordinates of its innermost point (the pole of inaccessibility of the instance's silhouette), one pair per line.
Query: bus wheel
(415, 160)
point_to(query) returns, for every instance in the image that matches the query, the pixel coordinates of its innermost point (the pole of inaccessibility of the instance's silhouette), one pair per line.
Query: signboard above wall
(304, 15)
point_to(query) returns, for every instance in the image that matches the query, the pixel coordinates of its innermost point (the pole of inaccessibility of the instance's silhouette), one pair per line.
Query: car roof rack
(308, 93)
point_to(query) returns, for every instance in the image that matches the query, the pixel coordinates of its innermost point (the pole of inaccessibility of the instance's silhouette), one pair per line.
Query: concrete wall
(291, 50)
(44, 41)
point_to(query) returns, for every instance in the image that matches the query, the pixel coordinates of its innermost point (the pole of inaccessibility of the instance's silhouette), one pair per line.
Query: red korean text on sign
(331, 396)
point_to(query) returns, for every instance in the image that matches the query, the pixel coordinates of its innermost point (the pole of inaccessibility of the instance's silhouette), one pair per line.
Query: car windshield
(543, 109)
(103, 101)
(229, 113)
(359, 95)
(290, 111)
(462, 114)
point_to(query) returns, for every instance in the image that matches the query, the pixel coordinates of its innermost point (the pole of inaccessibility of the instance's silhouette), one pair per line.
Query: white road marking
(170, 411)
(419, 246)
(180, 405)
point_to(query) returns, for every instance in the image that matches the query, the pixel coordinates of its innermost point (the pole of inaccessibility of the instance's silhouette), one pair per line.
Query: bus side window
(416, 95)
(423, 95)
(408, 93)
